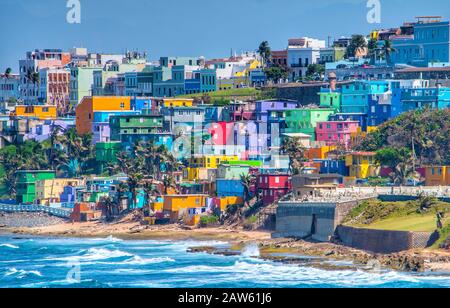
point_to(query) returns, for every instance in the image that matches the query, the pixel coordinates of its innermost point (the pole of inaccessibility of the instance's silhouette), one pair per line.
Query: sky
(209, 28)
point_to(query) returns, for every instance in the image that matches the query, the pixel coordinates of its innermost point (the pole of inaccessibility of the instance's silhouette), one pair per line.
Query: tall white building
(301, 53)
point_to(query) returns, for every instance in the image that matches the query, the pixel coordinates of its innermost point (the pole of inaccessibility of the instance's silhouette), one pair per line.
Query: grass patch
(223, 97)
(444, 234)
(401, 216)
(252, 219)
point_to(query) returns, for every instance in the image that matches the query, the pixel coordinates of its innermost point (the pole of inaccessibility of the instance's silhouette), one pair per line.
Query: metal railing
(32, 208)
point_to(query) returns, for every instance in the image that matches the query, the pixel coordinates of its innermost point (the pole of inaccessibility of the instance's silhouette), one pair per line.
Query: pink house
(336, 132)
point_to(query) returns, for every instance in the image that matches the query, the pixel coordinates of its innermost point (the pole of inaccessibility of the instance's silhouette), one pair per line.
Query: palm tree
(388, 49)
(247, 181)
(296, 152)
(358, 43)
(265, 52)
(109, 205)
(8, 72)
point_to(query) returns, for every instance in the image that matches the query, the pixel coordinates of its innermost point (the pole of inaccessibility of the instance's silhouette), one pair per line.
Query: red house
(273, 186)
(222, 133)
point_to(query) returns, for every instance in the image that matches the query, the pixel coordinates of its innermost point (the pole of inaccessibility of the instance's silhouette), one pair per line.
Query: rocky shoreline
(318, 254)
(28, 220)
(279, 250)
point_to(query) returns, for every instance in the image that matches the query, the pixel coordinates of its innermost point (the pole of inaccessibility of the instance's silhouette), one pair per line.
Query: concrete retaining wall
(296, 219)
(383, 241)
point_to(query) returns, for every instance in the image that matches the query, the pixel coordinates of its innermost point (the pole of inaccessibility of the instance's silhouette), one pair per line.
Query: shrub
(208, 220)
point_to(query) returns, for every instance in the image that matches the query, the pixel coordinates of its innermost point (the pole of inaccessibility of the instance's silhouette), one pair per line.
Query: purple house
(263, 108)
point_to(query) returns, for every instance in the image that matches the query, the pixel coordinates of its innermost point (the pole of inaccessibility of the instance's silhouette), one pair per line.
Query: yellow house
(199, 174)
(157, 206)
(361, 164)
(210, 161)
(175, 203)
(41, 112)
(227, 201)
(178, 102)
(437, 176)
(49, 191)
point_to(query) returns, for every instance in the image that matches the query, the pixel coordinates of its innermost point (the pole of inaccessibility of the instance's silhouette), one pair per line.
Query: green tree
(8, 72)
(296, 152)
(388, 49)
(357, 43)
(276, 73)
(315, 71)
(265, 53)
(247, 181)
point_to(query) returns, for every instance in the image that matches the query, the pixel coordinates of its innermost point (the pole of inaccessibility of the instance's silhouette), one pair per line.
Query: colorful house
(50, 190)
(178, 205)
(90, 104)
(330, 99)
(361, 118)
(332, 166)
(229, 188)
(177, 102)
(332, 133)
(200, 174)
(100, 127)
(129, 129)
(273, 187)
(40, 112)
(361, 165)
(26, 184)
(210, 161)
(319, 152)
(305, 120)
(433, 98)
(105, 153)
(264, 108)
(355, 96)
(226, 171)
(437, 176)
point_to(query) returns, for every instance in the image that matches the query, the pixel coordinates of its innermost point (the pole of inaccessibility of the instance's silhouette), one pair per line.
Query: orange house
(41, 112)
(90, 104)
(437, 175)
(175, 203)
(319, 153)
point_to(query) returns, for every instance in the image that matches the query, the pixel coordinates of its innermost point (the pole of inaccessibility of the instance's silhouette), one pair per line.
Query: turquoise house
(355, 96)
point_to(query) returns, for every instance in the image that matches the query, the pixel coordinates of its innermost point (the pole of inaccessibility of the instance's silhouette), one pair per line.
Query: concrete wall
(296, 219)
(383, 241)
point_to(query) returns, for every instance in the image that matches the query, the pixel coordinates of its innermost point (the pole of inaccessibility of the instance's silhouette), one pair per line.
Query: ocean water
(49, 262)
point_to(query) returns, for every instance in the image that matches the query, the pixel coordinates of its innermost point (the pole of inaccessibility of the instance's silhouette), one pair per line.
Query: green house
(105, 152)
(330, 99)
(26, 183)
(249, 163)
(128, 129)
(304, 120)
(232, 172)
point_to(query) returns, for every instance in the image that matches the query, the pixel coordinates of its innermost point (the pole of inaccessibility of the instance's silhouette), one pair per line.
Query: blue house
(434, 98)
(139, 103)
(229, 188)
(330, 166)
(380, 109)
(203, 81)
(355, 96)
(429, 43)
